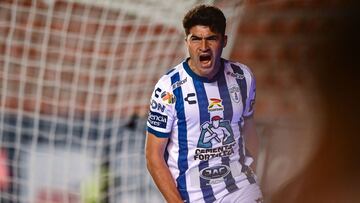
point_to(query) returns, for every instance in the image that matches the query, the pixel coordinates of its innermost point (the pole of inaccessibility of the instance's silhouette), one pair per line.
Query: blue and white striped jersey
(203, 120)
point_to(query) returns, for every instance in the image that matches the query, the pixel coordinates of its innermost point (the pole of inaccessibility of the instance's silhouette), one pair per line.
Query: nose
(204, 45)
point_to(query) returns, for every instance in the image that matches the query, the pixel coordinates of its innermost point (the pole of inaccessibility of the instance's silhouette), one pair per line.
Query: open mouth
(205, 58)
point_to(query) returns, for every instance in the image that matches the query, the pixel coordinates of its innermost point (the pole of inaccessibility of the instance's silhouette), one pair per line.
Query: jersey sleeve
(251, 93)
(161, 109)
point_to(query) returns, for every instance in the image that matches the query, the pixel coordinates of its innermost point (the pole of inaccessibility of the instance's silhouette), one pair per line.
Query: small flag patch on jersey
(168, 97)
(215, 105)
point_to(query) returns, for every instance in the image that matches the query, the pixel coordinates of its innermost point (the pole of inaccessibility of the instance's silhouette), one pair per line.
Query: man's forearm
(251, 140)
(164, 181)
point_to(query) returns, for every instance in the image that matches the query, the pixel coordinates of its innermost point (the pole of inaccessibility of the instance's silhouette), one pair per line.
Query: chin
(207, 66)
(208, 73)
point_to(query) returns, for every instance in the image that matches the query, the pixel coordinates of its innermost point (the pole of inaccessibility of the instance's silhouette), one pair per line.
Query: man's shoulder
(235, 66)
(174, 70)
(166, 79)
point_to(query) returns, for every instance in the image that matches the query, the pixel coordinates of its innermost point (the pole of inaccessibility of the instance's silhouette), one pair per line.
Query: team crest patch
(168, 98)
(235, 93)
(215, 105)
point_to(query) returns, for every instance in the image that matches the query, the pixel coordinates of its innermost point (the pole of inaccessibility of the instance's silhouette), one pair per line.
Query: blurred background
(76, 78)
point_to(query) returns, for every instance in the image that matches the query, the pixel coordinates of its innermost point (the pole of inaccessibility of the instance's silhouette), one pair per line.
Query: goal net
(75, 82)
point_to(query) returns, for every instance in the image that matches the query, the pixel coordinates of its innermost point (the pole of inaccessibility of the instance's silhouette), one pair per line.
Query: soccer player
(201, 119)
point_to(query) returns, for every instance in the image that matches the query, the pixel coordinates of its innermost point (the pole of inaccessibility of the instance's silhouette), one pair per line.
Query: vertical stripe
(242, 83)
(228, 114)
(243, 90)
(182, 140)
(203, 104)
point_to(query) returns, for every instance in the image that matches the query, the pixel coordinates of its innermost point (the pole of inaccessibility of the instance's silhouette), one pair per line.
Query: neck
(211, 75)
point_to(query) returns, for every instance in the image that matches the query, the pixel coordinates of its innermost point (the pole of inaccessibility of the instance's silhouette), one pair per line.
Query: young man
(200, 120)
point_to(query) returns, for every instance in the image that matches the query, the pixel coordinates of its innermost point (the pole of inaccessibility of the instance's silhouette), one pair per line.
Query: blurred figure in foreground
(333, 175)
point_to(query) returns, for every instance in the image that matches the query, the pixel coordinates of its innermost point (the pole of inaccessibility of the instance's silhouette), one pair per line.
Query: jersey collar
(200, 78)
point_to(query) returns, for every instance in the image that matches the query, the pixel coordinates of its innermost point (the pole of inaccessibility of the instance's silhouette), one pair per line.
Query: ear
(225, 41)
(186, 39)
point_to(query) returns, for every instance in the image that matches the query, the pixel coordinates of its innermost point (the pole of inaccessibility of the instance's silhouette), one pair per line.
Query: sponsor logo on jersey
(178, 83)
(156, 92)
(189, 99)
(215, 105)
(236, 75)
(204, 154)
(168, 98)
(235, 93)
(157, 106)
(157, 119)
(216, 132)
(215, 172)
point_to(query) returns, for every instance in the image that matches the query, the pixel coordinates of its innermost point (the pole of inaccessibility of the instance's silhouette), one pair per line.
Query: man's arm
(155, 148)
(251, 139)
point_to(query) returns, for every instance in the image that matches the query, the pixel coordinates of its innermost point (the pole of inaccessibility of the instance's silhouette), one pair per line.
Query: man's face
(216, 123)
(205, 48)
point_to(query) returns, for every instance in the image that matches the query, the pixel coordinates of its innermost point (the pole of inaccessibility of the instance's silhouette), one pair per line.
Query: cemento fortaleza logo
(214, 132)
(168, 98)
(215, 105)
(207, 154)
(217, 133)
(157, 120)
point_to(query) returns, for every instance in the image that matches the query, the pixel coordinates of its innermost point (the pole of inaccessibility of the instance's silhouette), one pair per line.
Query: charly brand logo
(215, 172)
(189, 98)
(168, 98)
(235, 93)
(215, 105)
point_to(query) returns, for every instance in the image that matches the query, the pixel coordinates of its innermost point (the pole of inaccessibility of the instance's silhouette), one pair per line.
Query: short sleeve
(161, 109)
(251, 93)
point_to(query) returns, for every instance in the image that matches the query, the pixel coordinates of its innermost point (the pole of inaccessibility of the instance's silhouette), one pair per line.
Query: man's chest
(204, 102)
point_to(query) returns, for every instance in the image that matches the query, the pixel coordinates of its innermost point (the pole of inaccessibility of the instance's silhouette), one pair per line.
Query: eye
(195, 39)
(212, 38)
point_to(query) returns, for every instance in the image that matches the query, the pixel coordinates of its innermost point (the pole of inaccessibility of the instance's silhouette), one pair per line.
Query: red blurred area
(4, 171)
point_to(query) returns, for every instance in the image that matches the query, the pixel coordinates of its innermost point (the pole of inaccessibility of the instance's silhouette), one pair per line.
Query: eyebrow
(214, 36)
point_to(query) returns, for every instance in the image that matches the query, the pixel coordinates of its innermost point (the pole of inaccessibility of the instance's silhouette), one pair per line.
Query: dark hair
(205, 15)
